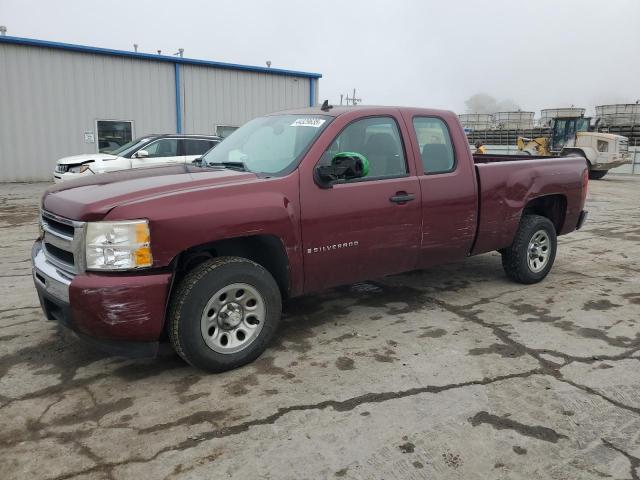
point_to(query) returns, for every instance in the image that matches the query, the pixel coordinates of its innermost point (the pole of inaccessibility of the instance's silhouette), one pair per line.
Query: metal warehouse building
(58, 99)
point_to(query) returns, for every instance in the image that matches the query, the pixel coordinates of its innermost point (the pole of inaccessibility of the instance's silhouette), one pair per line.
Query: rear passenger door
(448, 188)
(193, 148)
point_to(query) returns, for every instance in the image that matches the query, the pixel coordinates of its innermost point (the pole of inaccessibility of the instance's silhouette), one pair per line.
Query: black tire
(515, 259)
(597, 174)
(193, 294)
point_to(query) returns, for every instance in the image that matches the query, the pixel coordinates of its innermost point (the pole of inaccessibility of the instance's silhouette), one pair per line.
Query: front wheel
(533, 251)
(224, 313)
(597, 174)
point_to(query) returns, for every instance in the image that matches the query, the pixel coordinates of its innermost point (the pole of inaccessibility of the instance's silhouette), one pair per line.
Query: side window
(435, 145)
(378, 139)
(165, 147)
(603, 146)
(197, 147)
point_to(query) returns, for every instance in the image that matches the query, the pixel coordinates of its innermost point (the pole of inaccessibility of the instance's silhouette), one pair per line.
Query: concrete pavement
(453, 372)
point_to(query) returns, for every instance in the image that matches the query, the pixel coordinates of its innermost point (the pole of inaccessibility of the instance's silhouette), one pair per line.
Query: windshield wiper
(239, 166)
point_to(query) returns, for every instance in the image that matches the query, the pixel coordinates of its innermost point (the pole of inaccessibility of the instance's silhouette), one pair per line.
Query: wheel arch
(553, 207)
(587, 153)
(265, 249)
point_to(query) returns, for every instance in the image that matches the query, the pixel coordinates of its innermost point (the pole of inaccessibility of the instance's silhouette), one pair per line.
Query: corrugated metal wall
(49, 98)
(226, 97)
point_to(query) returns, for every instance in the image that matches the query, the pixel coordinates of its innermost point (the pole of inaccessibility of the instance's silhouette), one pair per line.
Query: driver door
(367, 227)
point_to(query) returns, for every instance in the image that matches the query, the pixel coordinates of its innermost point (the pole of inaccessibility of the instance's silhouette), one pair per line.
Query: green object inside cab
(341, 156)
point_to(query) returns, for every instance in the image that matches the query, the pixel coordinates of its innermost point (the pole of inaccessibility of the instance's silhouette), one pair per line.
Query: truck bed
(506, 183)
(492, 158)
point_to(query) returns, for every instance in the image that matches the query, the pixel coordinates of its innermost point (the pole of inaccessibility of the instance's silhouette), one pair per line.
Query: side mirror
(344, 166)
(142, 154)
(197, 161)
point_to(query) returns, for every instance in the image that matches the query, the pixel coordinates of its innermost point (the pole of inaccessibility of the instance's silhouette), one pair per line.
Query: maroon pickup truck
(290, 203)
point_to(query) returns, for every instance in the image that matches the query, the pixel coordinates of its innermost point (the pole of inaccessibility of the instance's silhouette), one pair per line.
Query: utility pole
(354, 101)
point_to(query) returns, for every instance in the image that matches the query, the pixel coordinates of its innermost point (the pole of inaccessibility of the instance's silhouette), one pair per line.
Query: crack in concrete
(18, 308)
(601, 395)
(547, 367)
(337, 405)
(634, 462)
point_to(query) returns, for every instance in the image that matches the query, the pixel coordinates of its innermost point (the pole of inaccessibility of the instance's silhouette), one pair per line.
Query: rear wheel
(533, 251)
(224, 313)
(597, 174)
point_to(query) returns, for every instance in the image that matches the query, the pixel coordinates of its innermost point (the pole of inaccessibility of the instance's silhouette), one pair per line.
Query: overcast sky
(539, 53)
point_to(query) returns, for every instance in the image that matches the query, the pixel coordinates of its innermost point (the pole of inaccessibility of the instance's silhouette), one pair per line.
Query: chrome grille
(624, 145)
(62, 242)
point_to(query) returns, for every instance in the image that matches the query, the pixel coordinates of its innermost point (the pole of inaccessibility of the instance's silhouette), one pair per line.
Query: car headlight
(118, 245)
(79, 168)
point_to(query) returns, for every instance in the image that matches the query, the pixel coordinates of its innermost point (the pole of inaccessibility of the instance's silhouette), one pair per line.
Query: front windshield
(129, 146)
(269, 145)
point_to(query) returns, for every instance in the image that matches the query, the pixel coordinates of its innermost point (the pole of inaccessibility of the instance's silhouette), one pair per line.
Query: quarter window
(378, 139)
(435, 145)
(603, 146)
(165, 147)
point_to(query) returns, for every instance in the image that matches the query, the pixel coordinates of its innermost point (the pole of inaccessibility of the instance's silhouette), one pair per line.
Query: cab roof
(336, 111)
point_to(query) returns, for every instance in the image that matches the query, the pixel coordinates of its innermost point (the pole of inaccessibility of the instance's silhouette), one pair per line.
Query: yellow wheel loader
(574, 136)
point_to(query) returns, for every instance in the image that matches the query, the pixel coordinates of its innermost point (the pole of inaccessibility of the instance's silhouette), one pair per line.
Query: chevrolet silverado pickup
(290, 203)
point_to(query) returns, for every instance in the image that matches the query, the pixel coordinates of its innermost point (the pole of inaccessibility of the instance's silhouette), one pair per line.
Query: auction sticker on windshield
(308, 122)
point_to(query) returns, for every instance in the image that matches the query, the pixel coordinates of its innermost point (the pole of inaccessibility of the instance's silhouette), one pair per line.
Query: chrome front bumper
(52, 280)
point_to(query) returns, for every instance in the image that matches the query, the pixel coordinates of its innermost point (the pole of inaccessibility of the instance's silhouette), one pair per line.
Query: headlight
(118, 245)
(79, 168)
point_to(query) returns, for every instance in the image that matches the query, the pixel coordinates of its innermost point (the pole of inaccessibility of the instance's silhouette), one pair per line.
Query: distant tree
(485, 103)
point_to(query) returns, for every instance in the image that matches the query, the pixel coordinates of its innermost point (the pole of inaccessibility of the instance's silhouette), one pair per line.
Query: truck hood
(75, 159)
(91, 198)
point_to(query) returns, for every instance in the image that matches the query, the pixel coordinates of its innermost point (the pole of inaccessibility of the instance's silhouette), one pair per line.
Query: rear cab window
(434, 141)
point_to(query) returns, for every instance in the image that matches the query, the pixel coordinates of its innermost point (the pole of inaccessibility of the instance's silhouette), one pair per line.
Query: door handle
(402, 197)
